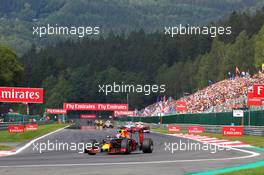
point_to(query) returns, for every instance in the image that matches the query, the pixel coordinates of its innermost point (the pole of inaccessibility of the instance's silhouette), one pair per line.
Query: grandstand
(222, 96)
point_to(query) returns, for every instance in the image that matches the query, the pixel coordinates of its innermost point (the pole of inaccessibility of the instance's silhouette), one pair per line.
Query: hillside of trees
(10, 69)
(72, 71)
(18, 17)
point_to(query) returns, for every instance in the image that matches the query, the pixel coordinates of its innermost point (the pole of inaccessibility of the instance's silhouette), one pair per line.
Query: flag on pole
(164, 99)
(237, 71)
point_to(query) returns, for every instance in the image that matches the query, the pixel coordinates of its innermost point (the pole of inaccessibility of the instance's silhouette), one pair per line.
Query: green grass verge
(253, 171)
(252, 140)
(4, 147)
(5, 136)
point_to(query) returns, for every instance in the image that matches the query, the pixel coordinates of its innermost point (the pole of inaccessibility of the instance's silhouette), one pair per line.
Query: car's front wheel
(147, 145)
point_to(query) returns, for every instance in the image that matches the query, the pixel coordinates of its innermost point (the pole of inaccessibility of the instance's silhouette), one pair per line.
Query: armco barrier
(4, 126)
(248, 130)
(256, 119)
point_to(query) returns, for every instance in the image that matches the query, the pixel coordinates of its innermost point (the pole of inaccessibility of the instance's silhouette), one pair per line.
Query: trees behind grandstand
(10, 69)
(72, 71)
(18, 17)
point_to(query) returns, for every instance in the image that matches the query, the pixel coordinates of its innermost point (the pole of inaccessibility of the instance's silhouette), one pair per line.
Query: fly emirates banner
(21, 95)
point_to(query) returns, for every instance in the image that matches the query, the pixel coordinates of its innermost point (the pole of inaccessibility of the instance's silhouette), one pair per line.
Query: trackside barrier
(256, 119)
(4, 126)
(248, 130)
(212, 122)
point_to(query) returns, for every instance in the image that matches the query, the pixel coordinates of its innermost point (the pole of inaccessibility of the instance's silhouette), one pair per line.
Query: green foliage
(242, 52)
(59, 93)
(245, 53)
(259, 48)
(18, 17)
(76, 77)
(72, 71)
(10, 68)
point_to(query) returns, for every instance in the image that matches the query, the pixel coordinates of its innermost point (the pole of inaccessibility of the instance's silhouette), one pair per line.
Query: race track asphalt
(161, 161)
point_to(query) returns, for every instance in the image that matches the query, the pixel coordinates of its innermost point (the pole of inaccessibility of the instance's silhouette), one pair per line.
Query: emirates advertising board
(21, 95)
(174, 128)
(31, 127)
(254, 101)
(124, 113)
(95, 107)
(233, 130)
(88, 116)
(56, 111)
(258, 90)
(181, 106)
(16, 129)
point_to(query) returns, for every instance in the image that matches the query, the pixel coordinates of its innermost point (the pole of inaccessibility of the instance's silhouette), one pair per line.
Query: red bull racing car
(127, 141)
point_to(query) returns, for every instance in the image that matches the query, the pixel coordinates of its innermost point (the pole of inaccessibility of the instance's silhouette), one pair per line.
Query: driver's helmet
(124, 133)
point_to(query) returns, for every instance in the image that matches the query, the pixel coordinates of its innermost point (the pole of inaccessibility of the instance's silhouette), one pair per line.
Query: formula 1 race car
(108, 124)
(140, 125)
(137, 126)
(127, 142)
(129, 125)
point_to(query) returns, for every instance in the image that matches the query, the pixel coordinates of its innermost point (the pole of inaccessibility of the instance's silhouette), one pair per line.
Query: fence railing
(253, 118)
(248, 130)
(4, 125)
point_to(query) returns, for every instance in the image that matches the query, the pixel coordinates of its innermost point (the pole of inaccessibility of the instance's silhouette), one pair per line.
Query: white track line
(218, 141)
(6, 153)
(251, 155)
(215, 141)
(208, 139)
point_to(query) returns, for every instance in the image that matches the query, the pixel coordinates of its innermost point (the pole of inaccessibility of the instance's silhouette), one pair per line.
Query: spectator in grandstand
(219, 97)
(243, 74)
(210, 82)
(229, 75)
(237, 71)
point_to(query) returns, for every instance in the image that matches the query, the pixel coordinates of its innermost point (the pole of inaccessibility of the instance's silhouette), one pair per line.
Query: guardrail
(4, 125)
(225, 118)
(248, 130)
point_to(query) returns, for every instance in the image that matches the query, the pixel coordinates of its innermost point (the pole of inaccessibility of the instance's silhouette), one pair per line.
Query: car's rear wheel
(147, 145)
(125, 144)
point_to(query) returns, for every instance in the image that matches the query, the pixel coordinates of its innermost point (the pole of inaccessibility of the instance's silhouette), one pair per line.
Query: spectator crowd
(222, 96)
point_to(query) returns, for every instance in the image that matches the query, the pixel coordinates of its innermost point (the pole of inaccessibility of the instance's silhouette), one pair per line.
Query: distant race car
(129, 125)
(127, 142)
(144, 127)
(108, 124)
